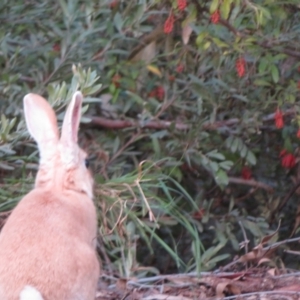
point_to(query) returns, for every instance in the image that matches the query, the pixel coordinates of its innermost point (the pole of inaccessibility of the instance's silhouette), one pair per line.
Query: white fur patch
(30, 293)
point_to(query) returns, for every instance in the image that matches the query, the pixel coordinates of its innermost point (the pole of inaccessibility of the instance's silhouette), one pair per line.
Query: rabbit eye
(87, 162)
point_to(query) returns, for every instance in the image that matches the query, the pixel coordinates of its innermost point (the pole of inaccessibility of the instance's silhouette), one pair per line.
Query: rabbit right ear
(41, 124)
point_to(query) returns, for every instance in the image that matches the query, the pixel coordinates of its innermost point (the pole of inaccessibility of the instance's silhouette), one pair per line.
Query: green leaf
(118, 21)
(201, 38)
(243, 150)
(261, 82)
(262, 67)
(213, 166)
(229, 141)
(215, 154)
(275, 73)
(251, 159)
(225, 8)
(226, 165)
(235, 144)
(213, 6)
(221, 178)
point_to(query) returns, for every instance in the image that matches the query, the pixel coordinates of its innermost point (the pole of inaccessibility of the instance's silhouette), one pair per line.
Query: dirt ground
(251, 284)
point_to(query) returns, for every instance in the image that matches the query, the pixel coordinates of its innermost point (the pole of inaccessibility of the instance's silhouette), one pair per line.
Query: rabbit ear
(69, 133)
(41, 124)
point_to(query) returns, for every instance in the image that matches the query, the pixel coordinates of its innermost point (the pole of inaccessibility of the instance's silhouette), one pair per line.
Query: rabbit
(48, 244)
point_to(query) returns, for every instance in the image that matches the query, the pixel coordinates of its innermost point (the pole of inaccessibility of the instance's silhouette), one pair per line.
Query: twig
(246, 241)
(271, 46)
(252, 182)
(292, 274)
(288, 196)
(108, 262)
(127, 144)
(263, 294)
(247, 195)
(263, 250)
(164, 107)
(292, 252)
(275, 245)
(230, 27)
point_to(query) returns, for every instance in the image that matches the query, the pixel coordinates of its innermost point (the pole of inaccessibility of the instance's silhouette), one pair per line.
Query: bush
(180, 105)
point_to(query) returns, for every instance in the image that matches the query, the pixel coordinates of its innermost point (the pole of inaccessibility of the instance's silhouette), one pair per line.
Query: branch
(159, 124)
(120, 124)
(251, 182)
(288, 196)
(286, 51)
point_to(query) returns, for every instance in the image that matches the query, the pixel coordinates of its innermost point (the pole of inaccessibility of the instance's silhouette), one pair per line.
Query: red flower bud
(181, 4)
(169, 24)
(215, 17)
(288, 161)
(180, 68)
(240, 66)
(279, 123)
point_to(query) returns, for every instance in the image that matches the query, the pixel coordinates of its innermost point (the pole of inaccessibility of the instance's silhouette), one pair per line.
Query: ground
(250, 284)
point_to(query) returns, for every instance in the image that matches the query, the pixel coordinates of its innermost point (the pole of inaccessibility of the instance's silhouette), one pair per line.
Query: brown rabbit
(47, 246)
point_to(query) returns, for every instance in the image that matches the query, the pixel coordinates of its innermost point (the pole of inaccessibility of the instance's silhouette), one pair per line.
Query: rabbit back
(48, 244)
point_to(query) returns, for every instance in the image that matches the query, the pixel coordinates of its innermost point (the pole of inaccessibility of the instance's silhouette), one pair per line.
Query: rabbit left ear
(42, 124)
(69, 133)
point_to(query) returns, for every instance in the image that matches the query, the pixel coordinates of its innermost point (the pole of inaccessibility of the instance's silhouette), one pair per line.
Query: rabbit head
(63, 165)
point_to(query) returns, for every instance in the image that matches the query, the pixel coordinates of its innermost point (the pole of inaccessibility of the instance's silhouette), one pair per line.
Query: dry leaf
(233, 289)
(220, 288)
(272, 271)
(146, 54)
(186, 33)
(263, 260)
(256, 254)
(121, 284)
(155, 70)
(267, 238)
(156, 35)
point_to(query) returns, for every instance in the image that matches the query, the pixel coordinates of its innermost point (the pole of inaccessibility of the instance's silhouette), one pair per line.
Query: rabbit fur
(47, 246)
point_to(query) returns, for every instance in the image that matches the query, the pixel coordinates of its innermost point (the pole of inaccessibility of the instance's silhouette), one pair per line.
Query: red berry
(246, 173)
